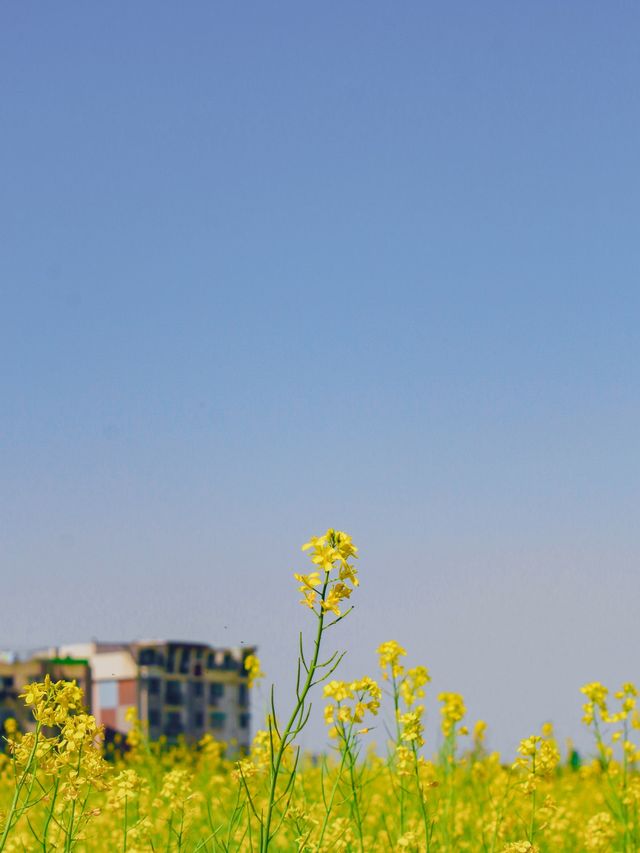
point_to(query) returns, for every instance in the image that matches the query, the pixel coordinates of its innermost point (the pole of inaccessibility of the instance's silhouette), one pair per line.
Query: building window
(243, 695)
(153, 686)
(173, 725)
(229, 662)
(147, 657)
(197, 669)
(198, 719)
(173, 693)
(243, 720)
(154, 717)
(217, 719)
(198, 689)
(185, 662)
(216, 691)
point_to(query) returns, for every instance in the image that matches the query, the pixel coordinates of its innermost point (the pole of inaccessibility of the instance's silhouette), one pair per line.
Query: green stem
(396, 709)
(69, 839)
(19, 786)
(286, 735)
(125, 821)
(423, 804)
(329, 807)
(45, 830)
(354, 791)
(532, 826)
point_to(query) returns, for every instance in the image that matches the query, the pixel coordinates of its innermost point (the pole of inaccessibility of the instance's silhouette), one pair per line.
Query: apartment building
(179, 689)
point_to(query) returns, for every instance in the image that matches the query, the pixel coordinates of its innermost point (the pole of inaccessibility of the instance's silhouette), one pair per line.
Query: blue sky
(269, 268)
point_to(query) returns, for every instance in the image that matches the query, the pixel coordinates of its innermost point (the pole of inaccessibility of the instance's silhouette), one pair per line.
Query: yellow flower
(10, 726)
(412, 727)
(452, 711)
(328, 553)
(344, 714)
(308, 584)
(366, 693)
(335, 595)
(529, 746)
(596, 693)
(390, 654)
(253, 668)
(479, 733)
(52, 701)
(334, 547)
(600, 832)
(348, 572)
(310, 581)
(243, 769)
(413, 683)
(367, 685)
(410, 841)
(338, 690)
(403, 760)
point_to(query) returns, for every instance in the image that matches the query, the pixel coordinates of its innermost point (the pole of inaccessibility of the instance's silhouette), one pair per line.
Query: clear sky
(268, 268)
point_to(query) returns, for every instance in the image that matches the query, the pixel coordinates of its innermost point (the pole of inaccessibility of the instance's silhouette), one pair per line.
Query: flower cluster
(452, 711)
(389, 655)
(62, 755)
(479, 733)
(539, 759)
(600, 832)
(351, 701)
(627, 697)
(403, 760)
(596, 693)
(596, 712)
(412, 685)
(52, 702)
(412, 727)
(334, 578)
(253, 669)
(125, 788)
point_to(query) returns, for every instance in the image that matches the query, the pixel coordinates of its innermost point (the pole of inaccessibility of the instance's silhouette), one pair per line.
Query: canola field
(60, 790)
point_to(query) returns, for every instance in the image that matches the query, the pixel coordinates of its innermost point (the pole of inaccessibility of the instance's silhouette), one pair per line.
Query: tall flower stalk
(324, 589)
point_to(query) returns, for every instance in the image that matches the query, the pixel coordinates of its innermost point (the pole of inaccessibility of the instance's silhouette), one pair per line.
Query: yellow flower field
(61, 791)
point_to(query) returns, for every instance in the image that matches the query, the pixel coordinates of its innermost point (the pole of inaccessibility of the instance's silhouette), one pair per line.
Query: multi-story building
(178, 688)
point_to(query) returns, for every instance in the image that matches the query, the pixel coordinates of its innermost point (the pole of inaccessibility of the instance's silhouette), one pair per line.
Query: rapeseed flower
(389, 654)
(330, 554)
(452, 711)
(412, 727)
(253, 669)
(412, 685)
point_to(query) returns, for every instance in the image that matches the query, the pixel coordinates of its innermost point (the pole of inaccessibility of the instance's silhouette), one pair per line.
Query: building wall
(176, 696)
